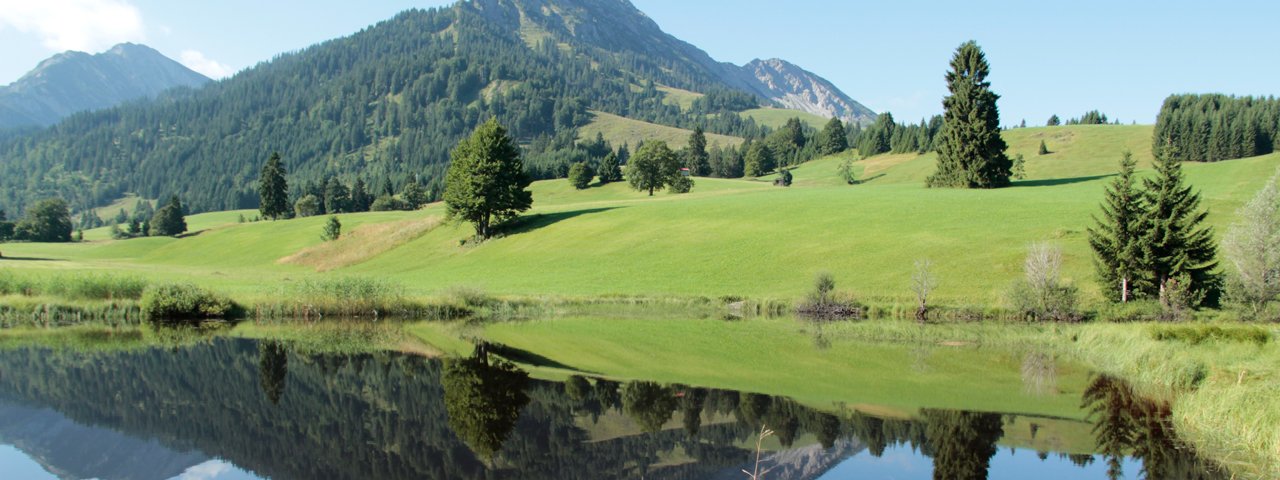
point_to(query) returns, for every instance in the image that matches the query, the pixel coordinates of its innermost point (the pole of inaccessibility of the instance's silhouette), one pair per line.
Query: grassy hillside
(777, 117)
(620, 130)
(728, 237)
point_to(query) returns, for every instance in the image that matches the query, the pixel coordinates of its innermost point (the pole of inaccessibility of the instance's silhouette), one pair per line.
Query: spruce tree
(759, 160)
(360, 197)
(1117, 237)
(970, 152)
(273, 190)
(833, 139)
(697, 160)
(169, 220)
(1044, 149)
(1053, 121)
(610, 170)
(486, 181)
(1177, 246)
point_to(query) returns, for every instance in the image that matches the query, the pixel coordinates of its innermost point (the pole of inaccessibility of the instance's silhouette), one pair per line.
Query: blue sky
(1066, 57)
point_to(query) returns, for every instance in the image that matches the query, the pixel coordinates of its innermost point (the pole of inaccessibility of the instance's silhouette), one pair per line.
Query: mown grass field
(728, 237)
(621, 130)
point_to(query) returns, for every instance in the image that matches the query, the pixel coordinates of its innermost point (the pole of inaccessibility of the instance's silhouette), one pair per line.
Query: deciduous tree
(486, 183)
(653, 167)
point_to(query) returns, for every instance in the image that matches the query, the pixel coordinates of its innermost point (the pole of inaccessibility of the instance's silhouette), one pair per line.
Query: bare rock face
(798, 89)
(800, 463)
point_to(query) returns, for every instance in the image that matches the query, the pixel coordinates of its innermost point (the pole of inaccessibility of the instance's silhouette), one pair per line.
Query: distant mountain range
(72, 82)
(618, 27)
(385, 102)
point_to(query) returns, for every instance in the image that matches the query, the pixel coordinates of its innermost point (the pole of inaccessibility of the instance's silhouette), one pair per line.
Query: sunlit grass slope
(621, 130)
(728, 237)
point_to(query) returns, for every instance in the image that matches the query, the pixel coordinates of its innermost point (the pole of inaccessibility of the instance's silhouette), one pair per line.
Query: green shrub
(1197, 334)
(1053, 302)
(177, 304)
(1134, 311)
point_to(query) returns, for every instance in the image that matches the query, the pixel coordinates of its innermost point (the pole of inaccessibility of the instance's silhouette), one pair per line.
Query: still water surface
(240, 409)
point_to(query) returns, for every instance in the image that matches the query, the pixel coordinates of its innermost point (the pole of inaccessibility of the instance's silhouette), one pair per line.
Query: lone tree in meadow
(332, 229)
(273, 190)
(971, 151)
(169, 220)
(580, 175)
(653, 167)
(833, 138)
(486, 182)
(697, 160)
(1053, 121)
(1044, 149)
(1116, 238)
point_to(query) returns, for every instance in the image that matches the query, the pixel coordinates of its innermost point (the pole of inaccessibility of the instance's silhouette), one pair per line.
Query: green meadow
(739, 237)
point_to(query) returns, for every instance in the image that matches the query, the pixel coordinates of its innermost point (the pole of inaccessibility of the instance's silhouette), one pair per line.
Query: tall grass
(42, 312)
(351, 297)
(78, 286)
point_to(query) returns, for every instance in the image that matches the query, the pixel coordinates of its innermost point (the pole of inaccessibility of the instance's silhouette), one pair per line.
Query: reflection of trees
(483, 399)
(691, 406)
(1127, 423)
(273, 370)
(962, 443)
(649, 404)
(1039, 374)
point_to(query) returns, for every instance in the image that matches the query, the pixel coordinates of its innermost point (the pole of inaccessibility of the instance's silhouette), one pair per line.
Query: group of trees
(46, 221)
(1210, 128)
(167, 221)
(886, 136)
(1150, 241)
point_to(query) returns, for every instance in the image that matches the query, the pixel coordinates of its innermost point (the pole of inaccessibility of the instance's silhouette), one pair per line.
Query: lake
(229, 408)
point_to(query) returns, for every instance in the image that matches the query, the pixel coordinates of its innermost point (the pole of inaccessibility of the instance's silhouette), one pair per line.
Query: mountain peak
(796, 88)
(72, 81)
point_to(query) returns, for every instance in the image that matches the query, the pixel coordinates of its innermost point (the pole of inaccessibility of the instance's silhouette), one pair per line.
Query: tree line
(1211, 128)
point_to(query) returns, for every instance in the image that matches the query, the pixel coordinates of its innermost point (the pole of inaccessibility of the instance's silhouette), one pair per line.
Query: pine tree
(413, 195)
(360, 197)
(759, 160)
(273, 190)
(1053, 121)
(610, 170)
(833, 139)
(336, 197)
(1117, 238)
(697, 161)
(1044, 149)
(169, 220)
(580, 175)
(332, 229)
(1176, 245)
(971, 152)
(486, 182)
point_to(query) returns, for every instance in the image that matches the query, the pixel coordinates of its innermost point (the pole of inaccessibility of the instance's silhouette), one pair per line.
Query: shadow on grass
(529, 223)
(29, 259)
(1051, 182)
(861, 181)
(528, 358)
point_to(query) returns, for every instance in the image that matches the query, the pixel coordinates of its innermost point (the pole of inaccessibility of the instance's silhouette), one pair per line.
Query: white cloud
(84, 25)
(209, 67)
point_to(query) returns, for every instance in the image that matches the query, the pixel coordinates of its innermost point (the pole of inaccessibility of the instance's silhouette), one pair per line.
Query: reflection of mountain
(800, 463)
(70, 450)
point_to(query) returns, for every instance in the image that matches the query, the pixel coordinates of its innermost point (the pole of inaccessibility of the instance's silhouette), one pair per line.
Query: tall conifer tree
(1116, 239)
(698, 161)
(273, 190)
(970, 152)
(833, 139)
(1176, 245)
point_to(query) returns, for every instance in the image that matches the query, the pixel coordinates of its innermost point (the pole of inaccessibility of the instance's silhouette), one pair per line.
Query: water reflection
(285, 414)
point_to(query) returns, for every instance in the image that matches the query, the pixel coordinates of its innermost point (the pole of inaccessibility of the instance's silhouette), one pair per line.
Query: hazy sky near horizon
(1121, 57)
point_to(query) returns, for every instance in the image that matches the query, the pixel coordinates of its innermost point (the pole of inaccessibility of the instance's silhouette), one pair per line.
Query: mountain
(618, 27)
(391, 101)
(798, 89)
(72, 82)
